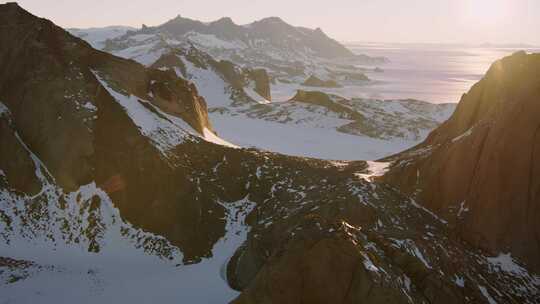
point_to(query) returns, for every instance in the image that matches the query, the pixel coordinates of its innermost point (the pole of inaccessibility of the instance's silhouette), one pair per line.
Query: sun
(486, 12)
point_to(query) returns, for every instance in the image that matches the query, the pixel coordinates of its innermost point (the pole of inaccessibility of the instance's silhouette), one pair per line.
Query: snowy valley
(271, 118)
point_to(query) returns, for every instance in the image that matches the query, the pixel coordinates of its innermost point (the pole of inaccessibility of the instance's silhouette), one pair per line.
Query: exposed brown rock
(47, 82)
(481, 169)
(327, 262)
(229, 71)
(170, 60)
(314, 81)
(324, 100)
(262, 82)
(238, 78)
(15, 161)
(319, 264)
(179, 97)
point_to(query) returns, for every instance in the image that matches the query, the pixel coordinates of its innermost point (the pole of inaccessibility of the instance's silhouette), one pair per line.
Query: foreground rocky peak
(480, 169)
(49, 81)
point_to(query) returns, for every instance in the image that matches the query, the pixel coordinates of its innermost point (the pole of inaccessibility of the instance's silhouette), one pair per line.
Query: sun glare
(486, 12)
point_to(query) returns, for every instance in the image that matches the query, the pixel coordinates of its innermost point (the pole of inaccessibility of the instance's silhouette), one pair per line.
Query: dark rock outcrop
(179, 97)
(15, 162)
(324, 100)
(314, 81)
(238, 78)
(480, 170)
(262, 82)
(47, 81)
(320, 263)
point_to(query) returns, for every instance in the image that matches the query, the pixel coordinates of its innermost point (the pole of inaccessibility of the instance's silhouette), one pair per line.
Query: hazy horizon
(415, 21)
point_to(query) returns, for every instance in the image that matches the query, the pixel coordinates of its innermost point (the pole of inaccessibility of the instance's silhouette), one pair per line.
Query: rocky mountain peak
(272, 24)
(320, 31)
(500, 86)
(272, 20)
(11, 11)
(12, 4)
(49, 82)
(480, 169)
(224, 21)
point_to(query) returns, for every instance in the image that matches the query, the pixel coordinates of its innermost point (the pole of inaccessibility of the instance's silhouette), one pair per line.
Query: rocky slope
(217, 77)
(40, 59)
(156, 212)
(313, 81)
(480, 169)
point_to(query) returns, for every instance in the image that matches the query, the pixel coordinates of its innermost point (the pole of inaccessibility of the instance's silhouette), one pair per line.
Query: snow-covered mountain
(241, 106)
(98, 36)
(269, 38)
(287, 52)
(113, 187)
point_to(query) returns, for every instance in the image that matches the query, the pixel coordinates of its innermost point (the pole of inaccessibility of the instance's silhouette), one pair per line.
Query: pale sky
(431, 21)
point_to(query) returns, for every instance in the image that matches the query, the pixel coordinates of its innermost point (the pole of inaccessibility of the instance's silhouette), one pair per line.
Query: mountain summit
(480, 170)
(277, 32)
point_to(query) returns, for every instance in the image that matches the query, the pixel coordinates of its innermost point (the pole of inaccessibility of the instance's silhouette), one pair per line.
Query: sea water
(428, 72)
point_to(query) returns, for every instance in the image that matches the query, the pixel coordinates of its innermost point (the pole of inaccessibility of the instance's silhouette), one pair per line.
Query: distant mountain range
(271, 43)
(236, 68)
(269, 32)
(273, 32)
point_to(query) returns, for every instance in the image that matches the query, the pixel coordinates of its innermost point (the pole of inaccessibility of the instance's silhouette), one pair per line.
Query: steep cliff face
(262, 82)
(15, 162)
(480, 170)
(48, 82)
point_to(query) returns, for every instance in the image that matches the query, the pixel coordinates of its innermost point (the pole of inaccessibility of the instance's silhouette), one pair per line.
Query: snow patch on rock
(374, 169)
(165, 134)
(209, 84)
(465, 134)
(212, 137)
(213, 42)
